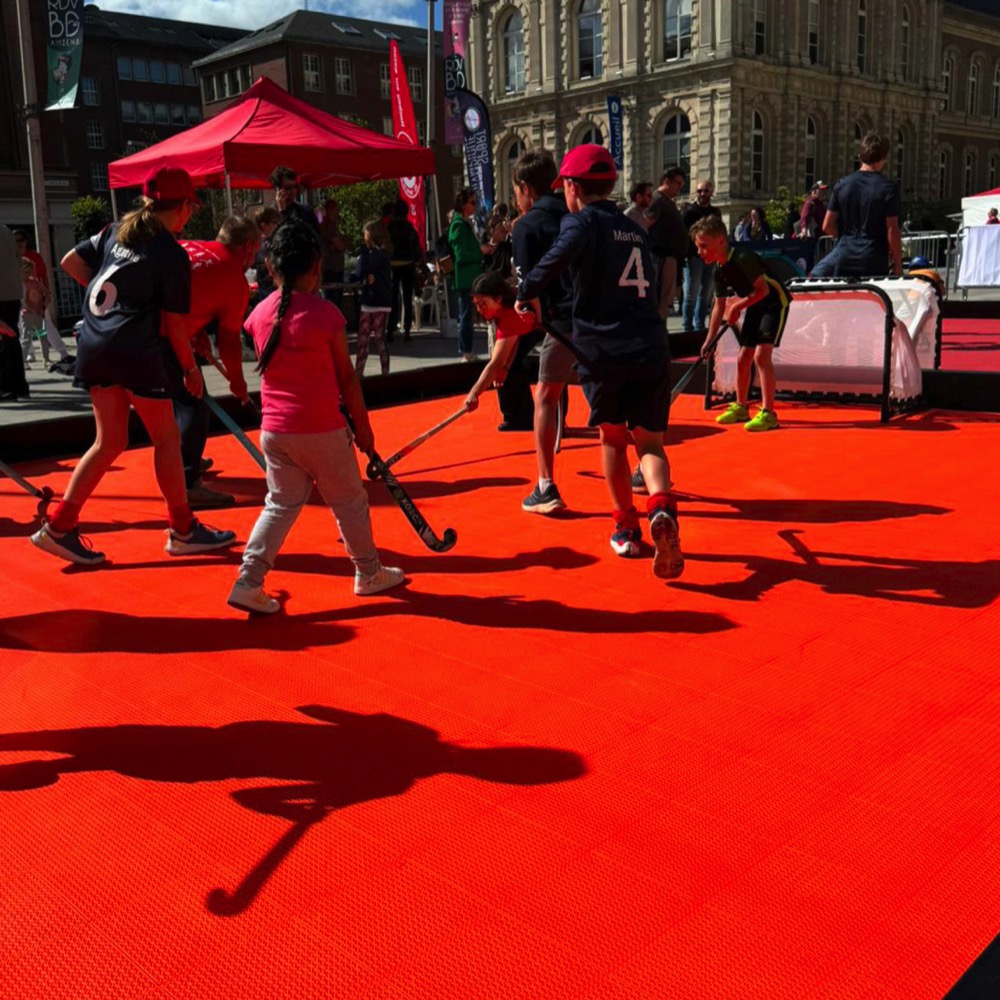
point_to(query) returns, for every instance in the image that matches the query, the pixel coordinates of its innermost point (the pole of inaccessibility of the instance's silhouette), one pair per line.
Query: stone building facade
(750, 93)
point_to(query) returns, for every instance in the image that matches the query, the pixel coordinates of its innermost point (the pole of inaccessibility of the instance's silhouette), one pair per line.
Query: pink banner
(404, 126)
(456, 46)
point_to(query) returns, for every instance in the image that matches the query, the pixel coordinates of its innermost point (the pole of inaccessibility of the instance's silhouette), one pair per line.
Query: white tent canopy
(975, 207)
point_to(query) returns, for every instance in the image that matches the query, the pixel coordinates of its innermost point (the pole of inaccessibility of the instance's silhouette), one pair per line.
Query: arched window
(590, 44)
(859, 134)
(677, 145)
(904, 43)
(810, 154)
(898, 157)
(591, 134)
(944, 174)
(969, 174)
(994, 171)
(972, 89)
(996, 92)
(676, 29)
(512, 43)
(812, 30)
(757, 152)
(947, 79)
(759, 27)
(862, 35)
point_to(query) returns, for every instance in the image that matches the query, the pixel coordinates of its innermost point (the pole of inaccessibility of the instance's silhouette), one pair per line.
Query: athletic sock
(544, 484)
(181, 519)
(661, 501)
(627, 518)
(66, 517)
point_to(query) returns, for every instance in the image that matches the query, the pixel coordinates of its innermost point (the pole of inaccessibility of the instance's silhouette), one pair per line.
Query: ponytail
(142, 224)
(272, 341)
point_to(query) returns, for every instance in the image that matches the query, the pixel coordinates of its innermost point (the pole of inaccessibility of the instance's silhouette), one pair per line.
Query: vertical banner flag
(478, 149)
(64, 52)
(456, 45)
(404, 127)
(616, 141)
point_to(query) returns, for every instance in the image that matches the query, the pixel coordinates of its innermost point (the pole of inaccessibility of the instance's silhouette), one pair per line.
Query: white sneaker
(383, 578)
(245, 597)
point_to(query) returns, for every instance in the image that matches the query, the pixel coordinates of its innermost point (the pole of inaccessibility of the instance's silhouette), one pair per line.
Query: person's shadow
(318, 768)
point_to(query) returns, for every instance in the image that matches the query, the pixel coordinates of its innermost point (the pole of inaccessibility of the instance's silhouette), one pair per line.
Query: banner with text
(456, 46)
(404, 127)
(64, 52)
(478, 149)
(616, 141)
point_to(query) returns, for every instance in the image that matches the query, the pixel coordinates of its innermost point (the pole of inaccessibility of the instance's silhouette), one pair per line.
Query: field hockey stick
(702, 357)
(409, 509)
(235, 429)
(249, 404)
(415, 443)
(43, 493)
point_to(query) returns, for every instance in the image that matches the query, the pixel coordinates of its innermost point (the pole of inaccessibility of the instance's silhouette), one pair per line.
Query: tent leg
(229, 195)
(114, 205)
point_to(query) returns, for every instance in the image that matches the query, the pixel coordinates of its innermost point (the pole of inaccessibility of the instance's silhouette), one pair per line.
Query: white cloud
(256, 13)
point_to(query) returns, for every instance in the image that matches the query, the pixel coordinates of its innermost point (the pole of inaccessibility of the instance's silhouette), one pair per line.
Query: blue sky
(256, 13)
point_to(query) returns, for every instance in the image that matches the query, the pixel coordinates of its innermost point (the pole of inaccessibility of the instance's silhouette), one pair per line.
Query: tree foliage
(359, 203)
(776, 209)
(90, 216)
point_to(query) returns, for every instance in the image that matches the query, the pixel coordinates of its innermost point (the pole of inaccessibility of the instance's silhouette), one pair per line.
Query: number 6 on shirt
(634, 264)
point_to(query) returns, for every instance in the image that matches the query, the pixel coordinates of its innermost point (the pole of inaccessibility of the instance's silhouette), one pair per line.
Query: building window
(174, 74)
(415, 78)
(994, 172)
(157, 71)
(91, 91)
(972, 90)
(208, 88)
(385, 81)
(161, 114)
(99, 176)
(947, 80)
(176, 114)
(969, 174)
(592, 134)
(234, 85)
(140, 70)
(676, 29)
(944, 171)
(95, 135)
(810, 153)
(387, 126)
(193, 114)
(862, 36)
(812, 30)
(190, 80)
(757, 152)
(759, 27)
(904, 43)
(145, 111)
(345, 76)
(128, 111)
(590, 43)
(421, 132)
(677, 145)
(899, 157)
(312, 72)
(513, 54)
(124, 66)
(996, 91)
(859, 133)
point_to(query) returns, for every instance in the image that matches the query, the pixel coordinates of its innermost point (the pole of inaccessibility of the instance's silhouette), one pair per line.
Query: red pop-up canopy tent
(267, 127)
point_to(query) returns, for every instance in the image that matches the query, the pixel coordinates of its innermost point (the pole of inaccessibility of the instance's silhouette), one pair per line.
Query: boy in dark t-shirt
(620, 342)
(743, 285)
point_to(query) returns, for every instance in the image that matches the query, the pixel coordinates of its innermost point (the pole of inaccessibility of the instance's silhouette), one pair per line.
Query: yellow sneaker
(764, 420)
(734, 413)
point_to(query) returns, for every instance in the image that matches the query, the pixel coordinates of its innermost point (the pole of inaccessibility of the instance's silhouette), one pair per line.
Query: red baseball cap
(170, 184)
(586, 162)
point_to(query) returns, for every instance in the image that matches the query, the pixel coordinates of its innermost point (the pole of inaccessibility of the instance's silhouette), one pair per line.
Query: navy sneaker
(638, 481)
(668, 561)
(68, 545)
(199, 539)
(545, 501)
(626, 541)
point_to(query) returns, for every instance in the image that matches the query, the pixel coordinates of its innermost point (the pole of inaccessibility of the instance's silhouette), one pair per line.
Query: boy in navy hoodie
(375, 274)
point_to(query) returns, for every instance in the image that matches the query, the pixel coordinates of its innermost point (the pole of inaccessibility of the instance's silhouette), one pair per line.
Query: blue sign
(478, 147)
(616, 141)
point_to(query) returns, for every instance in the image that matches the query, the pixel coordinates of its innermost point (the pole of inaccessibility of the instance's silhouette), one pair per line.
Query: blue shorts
(634, 394)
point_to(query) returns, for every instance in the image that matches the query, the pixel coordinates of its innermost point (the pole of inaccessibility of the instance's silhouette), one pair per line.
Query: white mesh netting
(834, 342)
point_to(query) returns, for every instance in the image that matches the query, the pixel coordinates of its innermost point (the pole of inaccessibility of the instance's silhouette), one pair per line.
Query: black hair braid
(294, 249)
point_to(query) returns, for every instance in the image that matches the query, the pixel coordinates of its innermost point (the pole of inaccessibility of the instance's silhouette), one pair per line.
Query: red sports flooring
(970, 345)
(536, 771)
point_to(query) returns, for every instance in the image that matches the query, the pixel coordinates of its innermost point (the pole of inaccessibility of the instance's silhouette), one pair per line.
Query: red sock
(66, 517)
(661, 501)
(626, 518)
(181, 518)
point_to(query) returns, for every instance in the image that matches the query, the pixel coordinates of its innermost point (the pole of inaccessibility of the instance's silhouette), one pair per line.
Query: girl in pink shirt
(305, 371)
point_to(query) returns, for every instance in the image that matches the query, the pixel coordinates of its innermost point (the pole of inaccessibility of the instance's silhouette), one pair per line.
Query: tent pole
(229, 195)
(114, 204)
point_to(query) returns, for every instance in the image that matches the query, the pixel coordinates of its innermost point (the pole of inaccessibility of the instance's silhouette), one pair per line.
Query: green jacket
(467, 252)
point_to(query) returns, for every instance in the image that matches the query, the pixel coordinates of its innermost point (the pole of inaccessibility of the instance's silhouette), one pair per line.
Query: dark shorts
(637, 395)
(763, 326)
(159, 378)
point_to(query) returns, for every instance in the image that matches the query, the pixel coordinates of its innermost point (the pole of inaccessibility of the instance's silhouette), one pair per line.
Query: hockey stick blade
(372, 473)
(409, 509)
(43, 493)
(689, 374)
